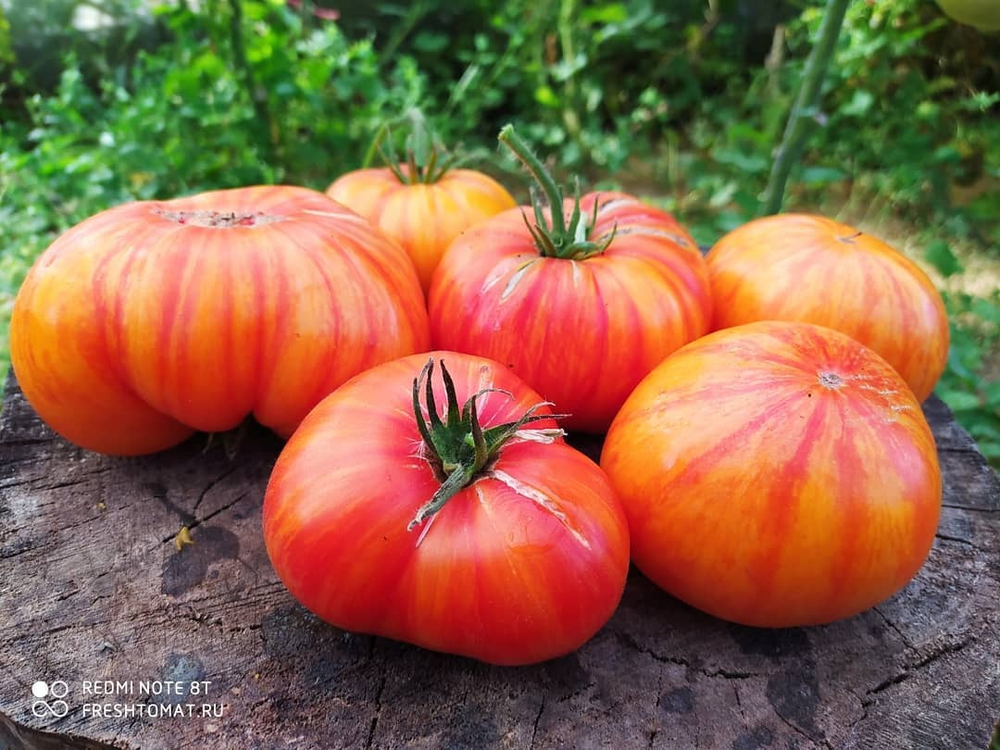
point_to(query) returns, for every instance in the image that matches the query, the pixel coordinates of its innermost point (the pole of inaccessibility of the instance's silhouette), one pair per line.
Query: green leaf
(992, 391)
(939, 254)
(992, 453)
(744, 160)
(604, 13)
(429, 41)
(961, 401)
(986, 309)
(859, 104)
(822, 175)
(545, 96)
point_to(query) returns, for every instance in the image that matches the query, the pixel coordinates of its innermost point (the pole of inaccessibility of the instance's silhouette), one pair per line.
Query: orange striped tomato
(154, 319)
(511, 555)
(816, 270)
(423, 217)
(582, 332)
(776, 474)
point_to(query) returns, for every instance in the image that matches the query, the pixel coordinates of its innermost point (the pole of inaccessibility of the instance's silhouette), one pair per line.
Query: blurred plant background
(682, 103)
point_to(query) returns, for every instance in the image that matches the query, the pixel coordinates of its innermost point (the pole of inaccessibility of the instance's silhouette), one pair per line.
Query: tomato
(154, 319)
(983, 14)
(808, 268)
(776, 474)
(424, 213)
(581, 304)
(509, 547)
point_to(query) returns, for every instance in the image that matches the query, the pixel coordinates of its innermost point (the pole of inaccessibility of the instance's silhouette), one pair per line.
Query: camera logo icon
(57, 690)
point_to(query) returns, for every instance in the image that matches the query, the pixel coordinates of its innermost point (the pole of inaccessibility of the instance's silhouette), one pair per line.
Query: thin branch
(806, 104)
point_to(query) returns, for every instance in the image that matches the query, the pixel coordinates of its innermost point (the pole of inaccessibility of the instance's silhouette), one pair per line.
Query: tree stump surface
(93, 588)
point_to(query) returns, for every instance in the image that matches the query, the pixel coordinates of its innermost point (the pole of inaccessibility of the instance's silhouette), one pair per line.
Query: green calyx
(458, 447)
(427, 160)
(555, 237)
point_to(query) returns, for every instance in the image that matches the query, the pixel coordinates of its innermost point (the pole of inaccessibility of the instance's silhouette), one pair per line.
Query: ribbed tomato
(154, 319)
(776, 474)
(581, 304)
(424, 212)
(476, 535)
(815, 270)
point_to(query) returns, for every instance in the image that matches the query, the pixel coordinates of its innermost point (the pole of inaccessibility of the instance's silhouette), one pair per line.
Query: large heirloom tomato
(776, 474)
(581, 303)
(479, 533)
(811, 269)
(154, 319)
(423, 209)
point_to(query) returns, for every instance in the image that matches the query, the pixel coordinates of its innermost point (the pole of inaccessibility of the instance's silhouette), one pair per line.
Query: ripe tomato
(815, 270)
(776, 474)
(423, 213)
(512, 554)
(155, 319)
(581, 304)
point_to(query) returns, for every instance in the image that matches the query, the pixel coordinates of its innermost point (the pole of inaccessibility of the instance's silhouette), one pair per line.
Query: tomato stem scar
(218, 219)
(831, 380)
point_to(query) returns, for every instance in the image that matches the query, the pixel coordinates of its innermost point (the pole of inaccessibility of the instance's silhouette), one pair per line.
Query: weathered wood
(93, 588)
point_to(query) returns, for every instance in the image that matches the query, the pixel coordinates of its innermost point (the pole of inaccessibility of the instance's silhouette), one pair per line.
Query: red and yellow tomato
(524, 562)
(423, 217)
(582, 332)
(806, 268)
(152, 320)
(776, 474)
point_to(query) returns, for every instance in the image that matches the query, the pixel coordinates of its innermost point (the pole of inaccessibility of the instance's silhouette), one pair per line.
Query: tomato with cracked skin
(807, 268)
(776, 474)
(478, 533)
(154, 319)
(581, 302)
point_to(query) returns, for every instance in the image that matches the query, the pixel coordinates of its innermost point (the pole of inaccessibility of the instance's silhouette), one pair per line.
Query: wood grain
(92, 587)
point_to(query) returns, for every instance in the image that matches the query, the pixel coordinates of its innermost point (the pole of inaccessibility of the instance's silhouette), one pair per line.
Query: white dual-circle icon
(57, 708)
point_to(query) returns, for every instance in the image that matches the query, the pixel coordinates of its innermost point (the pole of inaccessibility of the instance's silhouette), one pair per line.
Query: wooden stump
(95, 589)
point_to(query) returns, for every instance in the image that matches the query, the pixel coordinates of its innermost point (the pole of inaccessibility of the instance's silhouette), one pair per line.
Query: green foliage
(967, 385)
(970, 384)
(681, 102)
(6, 49)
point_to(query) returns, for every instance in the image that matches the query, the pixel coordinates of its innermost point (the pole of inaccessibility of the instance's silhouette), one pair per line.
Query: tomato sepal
(457, 447)
(555, 237)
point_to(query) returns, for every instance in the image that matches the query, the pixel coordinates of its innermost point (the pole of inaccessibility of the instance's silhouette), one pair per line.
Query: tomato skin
(493, 575)
(582, 333)
(806, 268)
(133, 330)
(761, 495)
(423, 218)
(982, 14)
